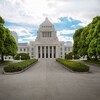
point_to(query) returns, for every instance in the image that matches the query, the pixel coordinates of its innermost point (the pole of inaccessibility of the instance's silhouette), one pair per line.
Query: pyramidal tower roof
(46, 22)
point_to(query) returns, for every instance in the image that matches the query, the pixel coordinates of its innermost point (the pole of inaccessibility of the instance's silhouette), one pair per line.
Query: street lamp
(73, 57)
(20, 57)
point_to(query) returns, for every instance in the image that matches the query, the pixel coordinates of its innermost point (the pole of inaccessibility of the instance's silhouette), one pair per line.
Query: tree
(2, 38)
(8, 44)
(76, 38)
(87, 42)
(98, 47)
(2, 20)
(83, 46)
(92, 48)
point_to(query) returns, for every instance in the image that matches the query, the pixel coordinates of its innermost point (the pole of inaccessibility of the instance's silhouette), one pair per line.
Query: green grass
(74, 66)
(92, 61)
(15, 67)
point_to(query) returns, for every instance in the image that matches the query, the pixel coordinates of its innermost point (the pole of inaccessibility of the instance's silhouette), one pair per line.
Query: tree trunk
(88, 58)
(96, 58)
(2, 59)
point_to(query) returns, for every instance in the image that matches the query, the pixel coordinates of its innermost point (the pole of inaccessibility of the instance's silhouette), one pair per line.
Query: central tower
(46, 43)
(46, 32)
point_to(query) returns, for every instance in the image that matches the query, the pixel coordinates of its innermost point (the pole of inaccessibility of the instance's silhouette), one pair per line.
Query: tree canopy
(8, 45)
(87, 39)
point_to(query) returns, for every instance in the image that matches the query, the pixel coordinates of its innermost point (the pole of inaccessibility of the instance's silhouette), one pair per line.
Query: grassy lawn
(75, 66)
(15, 67)
(92, 61)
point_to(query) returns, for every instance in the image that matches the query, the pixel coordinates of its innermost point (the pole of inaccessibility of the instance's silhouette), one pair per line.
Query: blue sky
(25, 16)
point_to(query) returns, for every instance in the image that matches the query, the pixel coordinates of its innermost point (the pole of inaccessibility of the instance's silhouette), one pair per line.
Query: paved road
(48, 80)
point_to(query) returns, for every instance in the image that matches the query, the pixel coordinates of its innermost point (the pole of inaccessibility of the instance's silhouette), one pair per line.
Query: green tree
(2, 20)
(76, 38)
(87, 40)
(8, 44)
(94, 46)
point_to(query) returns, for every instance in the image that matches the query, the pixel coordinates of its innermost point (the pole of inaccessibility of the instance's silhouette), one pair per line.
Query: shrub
(69, 56)
(92, 61)
(24, 56)
(75, 66)
(19, 66)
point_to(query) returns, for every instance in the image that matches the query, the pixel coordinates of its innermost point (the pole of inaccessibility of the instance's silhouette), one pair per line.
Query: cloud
(65, 38)
(66, 15)
(65, 32)
(34, 11)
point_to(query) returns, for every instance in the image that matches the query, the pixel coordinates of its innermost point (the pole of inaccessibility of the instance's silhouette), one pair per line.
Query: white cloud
(21, 31)
(34, 11)
(65, 32)
(27, 39)
(65, 38)
(23, 34)
(61, 36)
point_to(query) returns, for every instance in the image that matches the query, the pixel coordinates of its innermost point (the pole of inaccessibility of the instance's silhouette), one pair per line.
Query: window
(24, 49)
(46, 34)
(20, 49)
(68, 49)
(32, 49)
(32, 53)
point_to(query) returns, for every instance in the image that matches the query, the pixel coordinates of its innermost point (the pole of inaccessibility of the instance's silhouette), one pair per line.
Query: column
(48, 51)
(36, 52)
(44, 51)
(52, 52)
(57, 52)
(40, 51)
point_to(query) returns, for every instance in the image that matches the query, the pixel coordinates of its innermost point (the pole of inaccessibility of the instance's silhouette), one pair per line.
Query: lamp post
(20, 57)
(73, 57)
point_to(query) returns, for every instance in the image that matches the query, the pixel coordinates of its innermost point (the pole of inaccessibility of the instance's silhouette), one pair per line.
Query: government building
(46, 44)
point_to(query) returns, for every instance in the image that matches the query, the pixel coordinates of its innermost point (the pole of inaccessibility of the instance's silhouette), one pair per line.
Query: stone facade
(46, 44)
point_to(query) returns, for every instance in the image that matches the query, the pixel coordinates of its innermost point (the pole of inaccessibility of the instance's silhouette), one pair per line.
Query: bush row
(19, 66)
(75, 66)
(92, 61)
(22, 56)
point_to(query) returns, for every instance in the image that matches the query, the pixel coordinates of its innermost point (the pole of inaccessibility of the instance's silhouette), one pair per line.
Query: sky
(25, 16)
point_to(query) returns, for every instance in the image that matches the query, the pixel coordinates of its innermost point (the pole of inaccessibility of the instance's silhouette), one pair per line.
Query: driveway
(49, 80)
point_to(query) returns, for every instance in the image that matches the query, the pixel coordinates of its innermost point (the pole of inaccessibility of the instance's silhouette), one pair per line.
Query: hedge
(74, 66)
(24, 56)
(19, 65)
(92, 61)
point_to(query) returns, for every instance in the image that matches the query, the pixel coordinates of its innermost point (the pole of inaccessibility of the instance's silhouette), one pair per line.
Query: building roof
(46, 22)
(22, 44)
(68, 43)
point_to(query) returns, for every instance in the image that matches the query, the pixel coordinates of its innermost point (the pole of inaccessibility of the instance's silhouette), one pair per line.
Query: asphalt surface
(49, 80)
